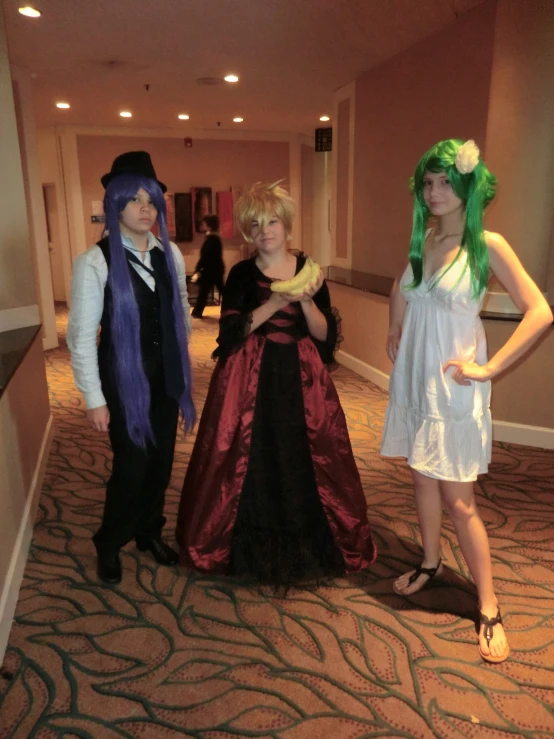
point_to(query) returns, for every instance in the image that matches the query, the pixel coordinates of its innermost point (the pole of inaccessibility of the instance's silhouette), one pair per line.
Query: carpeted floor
(168, 655)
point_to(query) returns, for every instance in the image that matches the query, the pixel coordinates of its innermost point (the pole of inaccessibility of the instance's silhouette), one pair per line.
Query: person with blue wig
(132, 286)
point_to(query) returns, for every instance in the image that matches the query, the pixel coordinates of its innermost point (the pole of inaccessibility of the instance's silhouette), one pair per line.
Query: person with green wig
(438, 416)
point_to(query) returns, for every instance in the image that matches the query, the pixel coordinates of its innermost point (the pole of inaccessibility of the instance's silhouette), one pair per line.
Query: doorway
(54, 242)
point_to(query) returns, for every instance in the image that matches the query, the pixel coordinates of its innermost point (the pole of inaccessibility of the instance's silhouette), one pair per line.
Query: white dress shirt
(90, 274)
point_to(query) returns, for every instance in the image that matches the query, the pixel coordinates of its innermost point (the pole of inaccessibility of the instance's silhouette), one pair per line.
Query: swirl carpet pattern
(173, 655)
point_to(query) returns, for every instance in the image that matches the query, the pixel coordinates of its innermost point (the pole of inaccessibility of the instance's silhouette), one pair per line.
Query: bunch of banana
(297, 284)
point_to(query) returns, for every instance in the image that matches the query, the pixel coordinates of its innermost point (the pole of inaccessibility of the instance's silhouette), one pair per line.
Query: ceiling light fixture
(231, 78)
(238, 120)
(324, 118)
(183, 117)
(126, 114)
(30, 12)
(63, 105)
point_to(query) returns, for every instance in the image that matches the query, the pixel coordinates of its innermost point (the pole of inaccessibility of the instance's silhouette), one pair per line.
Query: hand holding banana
(302, 286)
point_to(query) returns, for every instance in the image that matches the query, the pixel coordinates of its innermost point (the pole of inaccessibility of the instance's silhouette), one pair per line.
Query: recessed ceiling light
(62, 105)
(231, 78)
(238, 120)
(126, 114)
(324, 118)
(183, 117)
(30, 12)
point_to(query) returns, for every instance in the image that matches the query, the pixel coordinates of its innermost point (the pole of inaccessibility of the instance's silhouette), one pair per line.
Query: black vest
(158, 340)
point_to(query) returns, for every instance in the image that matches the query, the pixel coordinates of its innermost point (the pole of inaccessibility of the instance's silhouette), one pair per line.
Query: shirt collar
(152, 242)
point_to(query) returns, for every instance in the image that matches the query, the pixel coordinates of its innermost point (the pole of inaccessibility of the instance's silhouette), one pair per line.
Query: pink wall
(343, 175)
(24, 425)
(520, 135)
(215, 164)
(307, 184)
(437, 89)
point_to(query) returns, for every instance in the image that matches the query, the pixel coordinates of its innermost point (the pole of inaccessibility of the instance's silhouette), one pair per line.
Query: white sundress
(442, 428)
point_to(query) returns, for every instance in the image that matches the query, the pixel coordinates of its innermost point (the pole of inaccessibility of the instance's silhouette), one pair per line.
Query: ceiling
(289, 54)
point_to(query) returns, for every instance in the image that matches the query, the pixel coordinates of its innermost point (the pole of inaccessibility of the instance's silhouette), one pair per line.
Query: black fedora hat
(132, 162)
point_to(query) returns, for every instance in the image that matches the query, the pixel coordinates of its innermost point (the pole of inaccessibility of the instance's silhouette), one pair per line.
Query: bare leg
(460, 503)
(429, 513)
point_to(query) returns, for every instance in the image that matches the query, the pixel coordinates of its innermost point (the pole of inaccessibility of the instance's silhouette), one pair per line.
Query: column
(18, 303)
(520, 131)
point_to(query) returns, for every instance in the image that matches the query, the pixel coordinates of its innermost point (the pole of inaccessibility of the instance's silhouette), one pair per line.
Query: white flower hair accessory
(467, 157)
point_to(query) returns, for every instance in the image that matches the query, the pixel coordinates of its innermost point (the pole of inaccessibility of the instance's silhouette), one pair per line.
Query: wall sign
(324, 139)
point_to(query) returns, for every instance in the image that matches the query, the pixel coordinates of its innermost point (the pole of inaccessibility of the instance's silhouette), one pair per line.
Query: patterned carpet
(168, 655)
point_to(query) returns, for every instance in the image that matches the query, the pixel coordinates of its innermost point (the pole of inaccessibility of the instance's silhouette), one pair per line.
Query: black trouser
(205, 285)
(135, 494)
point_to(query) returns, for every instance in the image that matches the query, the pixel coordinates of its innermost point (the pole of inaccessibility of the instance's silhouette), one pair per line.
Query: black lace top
(246, 289)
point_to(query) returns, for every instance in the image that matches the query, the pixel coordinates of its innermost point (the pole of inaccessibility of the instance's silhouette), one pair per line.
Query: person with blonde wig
(438, 416)
(272, 491)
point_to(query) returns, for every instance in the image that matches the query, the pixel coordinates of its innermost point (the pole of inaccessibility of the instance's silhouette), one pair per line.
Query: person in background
(133, 286)
(211, 267)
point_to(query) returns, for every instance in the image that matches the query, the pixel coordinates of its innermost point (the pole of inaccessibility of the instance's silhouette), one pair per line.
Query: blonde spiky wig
(261, 203)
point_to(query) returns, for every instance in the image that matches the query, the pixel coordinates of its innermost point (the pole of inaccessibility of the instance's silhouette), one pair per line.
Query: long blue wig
(133, 386)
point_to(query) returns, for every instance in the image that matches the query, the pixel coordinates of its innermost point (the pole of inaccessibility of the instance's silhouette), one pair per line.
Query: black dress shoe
(162, 552)
(109, 568)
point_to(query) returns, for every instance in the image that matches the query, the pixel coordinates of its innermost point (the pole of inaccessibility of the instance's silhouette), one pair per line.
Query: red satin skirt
(272, 489)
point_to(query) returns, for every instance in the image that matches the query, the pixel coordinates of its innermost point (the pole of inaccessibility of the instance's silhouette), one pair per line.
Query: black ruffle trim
(328, 348)
(233, 331)
(284, 559)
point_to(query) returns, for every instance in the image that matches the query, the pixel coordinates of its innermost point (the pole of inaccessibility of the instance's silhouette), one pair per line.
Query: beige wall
(523, 395)
(308, 196)
(437, 89)
(216, 164)
(24, 406)
(25, 435)
(520, 135)
(321, 221)
(34, 196)
(364, 324)
(16, 266)
(51, 174)
(343, 145)
(489, 76)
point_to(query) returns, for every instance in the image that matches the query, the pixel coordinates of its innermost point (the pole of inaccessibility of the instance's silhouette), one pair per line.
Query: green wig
(476, 188)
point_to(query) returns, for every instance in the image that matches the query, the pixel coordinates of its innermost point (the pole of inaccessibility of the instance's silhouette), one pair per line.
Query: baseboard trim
(379, 378)
(513, 433)
(14, 575)
(50, 342)
(519, 433)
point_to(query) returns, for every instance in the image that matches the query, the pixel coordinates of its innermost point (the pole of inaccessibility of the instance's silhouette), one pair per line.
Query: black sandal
(429, 571)
(489, 624)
